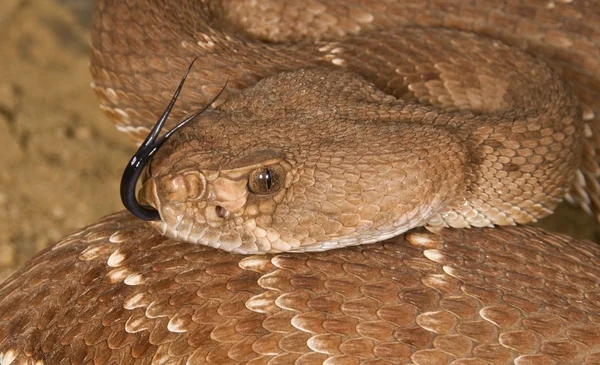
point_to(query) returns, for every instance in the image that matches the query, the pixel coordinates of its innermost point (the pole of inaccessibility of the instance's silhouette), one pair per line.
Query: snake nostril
(195, 184)
(221, 212)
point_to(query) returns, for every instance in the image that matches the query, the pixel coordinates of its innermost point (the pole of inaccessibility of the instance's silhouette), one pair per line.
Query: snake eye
(266, 180)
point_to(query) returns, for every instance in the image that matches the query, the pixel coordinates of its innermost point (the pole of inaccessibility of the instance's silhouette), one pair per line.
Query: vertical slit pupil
(266, 176)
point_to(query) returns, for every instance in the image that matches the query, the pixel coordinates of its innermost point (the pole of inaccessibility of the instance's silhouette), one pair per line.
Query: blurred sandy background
(60, 158)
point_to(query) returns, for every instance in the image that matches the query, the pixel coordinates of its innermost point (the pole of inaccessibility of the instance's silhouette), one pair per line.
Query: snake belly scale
(341, 124)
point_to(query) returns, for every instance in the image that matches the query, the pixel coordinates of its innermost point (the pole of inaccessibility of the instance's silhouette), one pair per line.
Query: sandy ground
(61, 159)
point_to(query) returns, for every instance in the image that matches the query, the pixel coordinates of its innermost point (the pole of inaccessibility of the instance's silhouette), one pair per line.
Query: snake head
(283, 166)
(227, 203)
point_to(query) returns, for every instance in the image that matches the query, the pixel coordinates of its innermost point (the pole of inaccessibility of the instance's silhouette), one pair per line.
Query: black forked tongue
(151, 144)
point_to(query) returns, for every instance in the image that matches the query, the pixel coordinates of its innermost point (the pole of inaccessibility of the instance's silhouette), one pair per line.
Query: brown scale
(119, 292)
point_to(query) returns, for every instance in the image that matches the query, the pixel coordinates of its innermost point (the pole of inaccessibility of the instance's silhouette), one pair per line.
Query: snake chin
(252, 244)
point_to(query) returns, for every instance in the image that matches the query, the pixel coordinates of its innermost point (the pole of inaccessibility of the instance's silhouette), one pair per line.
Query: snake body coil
(341, 124)
(464, 132)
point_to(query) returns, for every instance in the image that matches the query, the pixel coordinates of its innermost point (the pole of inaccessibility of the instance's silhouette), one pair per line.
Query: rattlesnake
(342, 171)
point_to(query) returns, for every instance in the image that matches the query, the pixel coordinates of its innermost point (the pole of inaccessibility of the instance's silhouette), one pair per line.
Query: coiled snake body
(359, 129)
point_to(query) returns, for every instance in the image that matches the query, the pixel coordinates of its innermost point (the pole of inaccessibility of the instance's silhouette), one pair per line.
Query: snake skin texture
(142, 47)
(480, 135)
(121, 292)
(118, 292)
